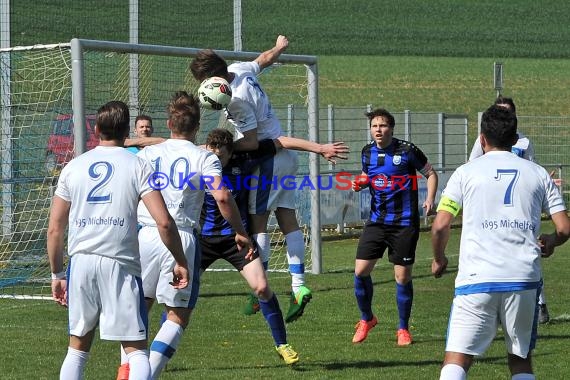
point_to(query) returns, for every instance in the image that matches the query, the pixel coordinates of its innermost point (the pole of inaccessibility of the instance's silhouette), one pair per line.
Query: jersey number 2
(511, 175)
(100, 171)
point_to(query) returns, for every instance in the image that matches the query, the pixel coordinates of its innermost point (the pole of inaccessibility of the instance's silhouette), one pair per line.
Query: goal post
(80, 46)
(57, 89)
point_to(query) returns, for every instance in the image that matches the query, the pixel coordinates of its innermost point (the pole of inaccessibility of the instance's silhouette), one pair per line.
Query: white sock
(452, 372)
(296, 258)
(139, 366)
(263, 240)
(523, 376)
(124, 358)
(73, 364)
(164, 346)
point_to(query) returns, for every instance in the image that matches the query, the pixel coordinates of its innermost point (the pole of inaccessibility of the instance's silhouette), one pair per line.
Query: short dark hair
(382, 113)
(143, 117)
(219, 138)
(508, 101)
(499, 126)
(183, 112)
(208, 64)
(113, 121)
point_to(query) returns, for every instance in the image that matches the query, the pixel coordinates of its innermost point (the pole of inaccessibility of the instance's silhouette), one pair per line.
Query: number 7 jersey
(502, 197)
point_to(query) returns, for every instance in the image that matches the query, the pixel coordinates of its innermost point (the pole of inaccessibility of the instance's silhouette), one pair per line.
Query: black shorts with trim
(401, 242)
(223, 247)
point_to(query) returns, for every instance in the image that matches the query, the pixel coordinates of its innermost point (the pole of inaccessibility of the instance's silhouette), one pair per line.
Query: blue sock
(274, 317)
(404, 298)
(363, 290)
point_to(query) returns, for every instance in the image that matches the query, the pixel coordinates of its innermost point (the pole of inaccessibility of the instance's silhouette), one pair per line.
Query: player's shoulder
(241, 68)
(404, 146)
(368, 147)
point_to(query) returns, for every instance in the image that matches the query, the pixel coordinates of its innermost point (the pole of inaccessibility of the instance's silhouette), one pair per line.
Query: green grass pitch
(221, 343)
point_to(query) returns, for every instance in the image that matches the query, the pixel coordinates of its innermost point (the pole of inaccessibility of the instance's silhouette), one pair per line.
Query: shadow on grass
(376, 364)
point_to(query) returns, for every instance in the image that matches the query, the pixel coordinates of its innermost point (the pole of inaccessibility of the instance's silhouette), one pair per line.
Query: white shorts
(100, 291)
(157, 264)
(276, 187)
(474, 320)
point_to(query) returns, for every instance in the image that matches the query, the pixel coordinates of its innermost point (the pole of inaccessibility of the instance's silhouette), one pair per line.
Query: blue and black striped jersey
(235, 177)
(393, 181)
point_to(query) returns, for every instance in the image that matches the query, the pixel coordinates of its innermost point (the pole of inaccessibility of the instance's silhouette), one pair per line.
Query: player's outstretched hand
(438, 266)
(179, 277)
(243, 242)
(546, 242)
(59, 291)
(335, 150)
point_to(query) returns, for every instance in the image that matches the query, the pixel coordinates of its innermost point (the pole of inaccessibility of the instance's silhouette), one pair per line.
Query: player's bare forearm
(143, 141)
(439, 237)
(269, 57)
(329, 151)
(171, 239)
(58, 220)
(548, 242)
(432, 180)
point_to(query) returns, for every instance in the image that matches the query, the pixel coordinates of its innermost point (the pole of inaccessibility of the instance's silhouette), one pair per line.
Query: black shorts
(401, 242)
(223, 247)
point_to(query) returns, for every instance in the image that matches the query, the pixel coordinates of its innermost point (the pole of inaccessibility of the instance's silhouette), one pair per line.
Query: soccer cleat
(287, 353)
(404, 337)
(252, 305)
(363, 328)
(543, 315)
(123, 372)
(297, 303)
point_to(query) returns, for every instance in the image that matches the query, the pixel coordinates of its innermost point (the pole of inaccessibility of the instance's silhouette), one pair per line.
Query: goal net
(38, 107)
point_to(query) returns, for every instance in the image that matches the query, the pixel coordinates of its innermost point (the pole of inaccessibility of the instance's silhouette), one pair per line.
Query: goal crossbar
(78, 46)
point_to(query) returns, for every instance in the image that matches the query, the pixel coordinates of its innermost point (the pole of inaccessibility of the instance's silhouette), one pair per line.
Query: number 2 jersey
(393, 181)
(104, 186)
(502, 197)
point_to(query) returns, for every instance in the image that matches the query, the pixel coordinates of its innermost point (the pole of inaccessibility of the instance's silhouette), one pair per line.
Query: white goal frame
(79, 46)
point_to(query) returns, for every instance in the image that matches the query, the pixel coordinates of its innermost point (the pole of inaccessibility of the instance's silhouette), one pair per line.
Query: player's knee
(262, 290)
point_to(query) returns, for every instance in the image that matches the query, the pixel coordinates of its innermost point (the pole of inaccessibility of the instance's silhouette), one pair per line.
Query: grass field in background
(521, 28)
(221, 343)
(370, 52)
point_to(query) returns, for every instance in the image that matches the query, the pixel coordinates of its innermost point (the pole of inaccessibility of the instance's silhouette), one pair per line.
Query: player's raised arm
(269, 57)
(169, 235)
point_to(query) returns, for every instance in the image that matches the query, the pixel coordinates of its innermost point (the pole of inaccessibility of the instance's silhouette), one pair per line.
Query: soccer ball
(215, 93)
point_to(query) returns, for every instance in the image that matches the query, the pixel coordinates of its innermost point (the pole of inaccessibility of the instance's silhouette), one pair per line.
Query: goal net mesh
(37, 139)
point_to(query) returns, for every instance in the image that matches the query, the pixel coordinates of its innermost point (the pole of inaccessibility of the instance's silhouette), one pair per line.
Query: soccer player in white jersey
(523, 148)
(97, 195)
(181, 171)
(499, 274)
(251, 114)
